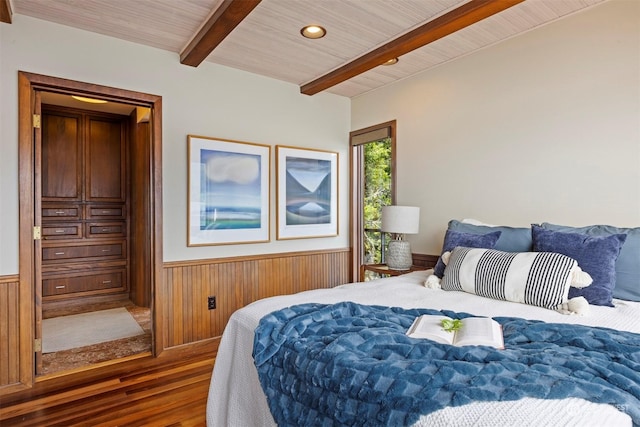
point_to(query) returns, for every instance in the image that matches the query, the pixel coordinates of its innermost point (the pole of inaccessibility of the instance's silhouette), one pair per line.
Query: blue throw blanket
(352, 364)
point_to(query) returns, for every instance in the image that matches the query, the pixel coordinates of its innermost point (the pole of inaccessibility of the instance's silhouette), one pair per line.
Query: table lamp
(400, 220)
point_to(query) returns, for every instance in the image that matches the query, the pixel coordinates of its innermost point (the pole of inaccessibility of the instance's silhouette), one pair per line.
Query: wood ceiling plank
(461, 17)
(218, 26)
(5, 11)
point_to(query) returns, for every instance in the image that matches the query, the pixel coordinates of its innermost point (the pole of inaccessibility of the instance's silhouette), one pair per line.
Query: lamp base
(399, 255)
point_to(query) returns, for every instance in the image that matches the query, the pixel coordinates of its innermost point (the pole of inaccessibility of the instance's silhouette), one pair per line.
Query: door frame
(29, 84)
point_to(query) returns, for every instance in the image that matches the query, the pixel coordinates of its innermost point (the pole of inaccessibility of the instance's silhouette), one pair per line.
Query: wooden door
(21, 374)
(37, 242)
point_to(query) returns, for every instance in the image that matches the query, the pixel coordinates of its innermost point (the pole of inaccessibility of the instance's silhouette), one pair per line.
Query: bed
(237, 398)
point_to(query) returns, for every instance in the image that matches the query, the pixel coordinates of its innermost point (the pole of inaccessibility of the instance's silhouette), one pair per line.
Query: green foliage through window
(377, 193)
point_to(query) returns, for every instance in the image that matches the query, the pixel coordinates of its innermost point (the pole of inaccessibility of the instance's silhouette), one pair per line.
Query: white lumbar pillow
(537, 278)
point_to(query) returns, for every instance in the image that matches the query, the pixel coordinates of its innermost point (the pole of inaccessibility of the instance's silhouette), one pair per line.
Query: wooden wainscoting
(236, 282)
(9, 330)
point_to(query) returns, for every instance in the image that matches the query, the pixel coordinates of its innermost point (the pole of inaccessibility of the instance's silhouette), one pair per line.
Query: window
(372, 186)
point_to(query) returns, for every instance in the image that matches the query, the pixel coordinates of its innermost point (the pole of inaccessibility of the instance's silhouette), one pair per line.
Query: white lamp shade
(400, 219)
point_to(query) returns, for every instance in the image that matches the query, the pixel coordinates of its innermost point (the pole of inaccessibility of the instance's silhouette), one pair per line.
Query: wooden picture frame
(228, 192)
(307, 193)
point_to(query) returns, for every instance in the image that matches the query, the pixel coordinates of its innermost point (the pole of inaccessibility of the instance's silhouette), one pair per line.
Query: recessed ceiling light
(313, 32)
(90, 100)
(391, 61)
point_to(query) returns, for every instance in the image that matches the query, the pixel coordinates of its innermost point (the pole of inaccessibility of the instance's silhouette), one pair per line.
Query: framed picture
(307, 193)
(229, 192)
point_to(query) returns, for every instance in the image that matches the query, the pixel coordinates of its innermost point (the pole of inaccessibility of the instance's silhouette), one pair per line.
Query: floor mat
(79, 330)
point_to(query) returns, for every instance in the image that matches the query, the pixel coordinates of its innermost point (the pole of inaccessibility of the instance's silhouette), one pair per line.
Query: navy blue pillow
(512, 239)
(628, 263)
(595, 255)
(456, 238)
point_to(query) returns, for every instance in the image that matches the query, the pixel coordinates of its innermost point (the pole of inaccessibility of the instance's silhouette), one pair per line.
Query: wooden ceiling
(263, 36)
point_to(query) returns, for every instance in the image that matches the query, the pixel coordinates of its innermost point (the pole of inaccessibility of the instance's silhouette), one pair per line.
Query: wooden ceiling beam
(5, 11)
(461, 17)
(218, 26)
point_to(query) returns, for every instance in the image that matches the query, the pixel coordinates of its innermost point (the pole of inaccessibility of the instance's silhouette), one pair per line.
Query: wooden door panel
(105, 161)
(61, 157)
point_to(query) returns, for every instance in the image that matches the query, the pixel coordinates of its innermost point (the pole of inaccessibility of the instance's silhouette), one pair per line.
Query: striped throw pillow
(535, 278)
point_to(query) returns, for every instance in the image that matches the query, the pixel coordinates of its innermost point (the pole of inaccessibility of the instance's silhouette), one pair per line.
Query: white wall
(542, 127)
(210, 100)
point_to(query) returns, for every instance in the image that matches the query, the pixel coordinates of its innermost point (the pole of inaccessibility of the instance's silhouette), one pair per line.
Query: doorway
(136, 277)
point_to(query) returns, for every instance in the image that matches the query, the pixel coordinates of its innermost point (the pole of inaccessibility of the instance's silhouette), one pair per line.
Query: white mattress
(236, 397)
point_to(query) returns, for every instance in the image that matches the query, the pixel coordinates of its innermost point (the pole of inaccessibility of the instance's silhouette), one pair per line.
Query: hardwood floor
(170, 390)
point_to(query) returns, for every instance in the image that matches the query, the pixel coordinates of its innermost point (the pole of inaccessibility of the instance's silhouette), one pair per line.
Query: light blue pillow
(512, 239)
(595, 255)
(455, 238)
(628, 263)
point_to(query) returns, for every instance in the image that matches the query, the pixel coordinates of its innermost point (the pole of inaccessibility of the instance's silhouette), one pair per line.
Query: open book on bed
(469, 331)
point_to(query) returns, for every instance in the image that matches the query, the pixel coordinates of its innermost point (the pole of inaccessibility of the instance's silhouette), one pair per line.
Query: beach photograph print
(228, 192)
(307, 193)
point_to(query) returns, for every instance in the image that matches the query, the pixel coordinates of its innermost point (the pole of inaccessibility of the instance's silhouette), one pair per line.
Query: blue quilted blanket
(352, 364)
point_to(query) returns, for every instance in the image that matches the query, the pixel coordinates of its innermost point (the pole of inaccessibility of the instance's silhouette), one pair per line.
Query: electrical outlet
(211, 303)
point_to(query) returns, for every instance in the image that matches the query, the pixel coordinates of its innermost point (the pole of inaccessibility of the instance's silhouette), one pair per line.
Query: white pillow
(535, 278)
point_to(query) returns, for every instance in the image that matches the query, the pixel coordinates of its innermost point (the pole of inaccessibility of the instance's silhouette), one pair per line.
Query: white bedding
(236, 397)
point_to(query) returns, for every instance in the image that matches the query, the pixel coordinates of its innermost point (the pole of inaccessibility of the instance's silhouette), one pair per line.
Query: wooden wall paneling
(284, 267)
(252, 280)
(254, 287)
(199, 304)
(175, 315)
(284, 276)
(231, 294)
(202, 328)
(167, 286)
(236, 282)
(228, 292)
(215, 317)
(9, 331)
(188, 318)
(193, 304)
(318, 264)
(180, 312)
(270, 280)
(216, 284)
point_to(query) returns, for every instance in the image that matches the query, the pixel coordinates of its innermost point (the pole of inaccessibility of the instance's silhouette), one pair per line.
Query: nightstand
(383, 270)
